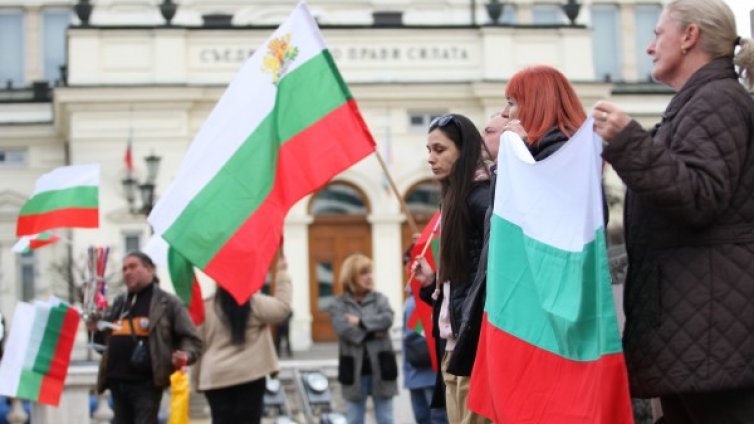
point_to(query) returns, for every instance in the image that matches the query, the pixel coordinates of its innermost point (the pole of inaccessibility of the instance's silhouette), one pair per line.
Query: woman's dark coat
(689, 217)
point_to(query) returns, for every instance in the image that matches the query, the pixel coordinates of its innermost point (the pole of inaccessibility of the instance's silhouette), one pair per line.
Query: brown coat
(225, 364)
(689, 216)
(170, 329)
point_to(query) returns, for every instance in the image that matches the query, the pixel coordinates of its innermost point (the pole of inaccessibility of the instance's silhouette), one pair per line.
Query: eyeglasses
(441, 121)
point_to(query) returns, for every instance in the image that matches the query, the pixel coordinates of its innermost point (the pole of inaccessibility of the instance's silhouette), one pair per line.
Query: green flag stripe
(305, 96)
(566, 296)
(74, 197)
(181, 274)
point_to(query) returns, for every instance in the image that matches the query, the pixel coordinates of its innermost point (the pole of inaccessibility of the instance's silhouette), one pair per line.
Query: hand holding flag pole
(422, 253)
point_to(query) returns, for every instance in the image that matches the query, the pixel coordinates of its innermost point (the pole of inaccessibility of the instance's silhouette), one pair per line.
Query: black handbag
(140, 359)
(416, 350)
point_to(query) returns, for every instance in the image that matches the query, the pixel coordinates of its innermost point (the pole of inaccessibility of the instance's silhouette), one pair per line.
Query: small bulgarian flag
(38, 351)
(28, 243)
(285, 126)
(421, 318)
(550, 350)
(65, 197)
(182, 276)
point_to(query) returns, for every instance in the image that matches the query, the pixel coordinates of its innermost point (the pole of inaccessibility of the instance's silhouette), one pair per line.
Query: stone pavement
(323, 357)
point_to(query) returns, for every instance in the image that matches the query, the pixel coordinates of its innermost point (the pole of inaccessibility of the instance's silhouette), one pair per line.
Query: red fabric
(128, 158)
(28, 225)
(423, 311)
(196, 306)
(37, 243)
(516, 382)
(52, 383)
(306, 162)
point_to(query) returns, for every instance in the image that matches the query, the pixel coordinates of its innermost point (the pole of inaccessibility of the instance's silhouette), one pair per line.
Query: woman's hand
(515, 126)
(353, 319)
(609, 120)
(422, 271)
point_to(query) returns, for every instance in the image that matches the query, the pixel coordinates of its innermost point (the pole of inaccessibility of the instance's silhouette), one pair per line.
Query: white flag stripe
(551, 217)
(249, 99)
(15, 348)
(67, 177)
(41, 316)
(22, 244)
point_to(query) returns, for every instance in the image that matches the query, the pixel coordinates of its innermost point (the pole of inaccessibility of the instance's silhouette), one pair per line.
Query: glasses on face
(441, 121)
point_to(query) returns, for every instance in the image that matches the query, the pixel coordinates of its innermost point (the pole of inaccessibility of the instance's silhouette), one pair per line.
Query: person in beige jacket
(239, 350)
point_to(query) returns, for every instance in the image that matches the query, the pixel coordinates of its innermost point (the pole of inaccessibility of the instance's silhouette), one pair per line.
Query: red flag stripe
(61, 218)
(306, 162)
(196, 306)
(543, 387)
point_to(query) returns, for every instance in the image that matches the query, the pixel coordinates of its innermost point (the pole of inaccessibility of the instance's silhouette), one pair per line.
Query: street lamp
(146, 188)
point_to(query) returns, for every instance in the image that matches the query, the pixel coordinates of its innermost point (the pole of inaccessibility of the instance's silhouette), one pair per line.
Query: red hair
(545, 100)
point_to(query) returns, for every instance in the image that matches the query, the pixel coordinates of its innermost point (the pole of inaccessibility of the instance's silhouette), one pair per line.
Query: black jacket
(477, 202)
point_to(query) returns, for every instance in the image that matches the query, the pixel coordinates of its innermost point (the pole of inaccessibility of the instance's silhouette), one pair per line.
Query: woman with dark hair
(454, 145)
(239, 350)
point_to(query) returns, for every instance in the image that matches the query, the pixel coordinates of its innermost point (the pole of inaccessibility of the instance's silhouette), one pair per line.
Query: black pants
(237, 404)
(135, 402)
(723, 407)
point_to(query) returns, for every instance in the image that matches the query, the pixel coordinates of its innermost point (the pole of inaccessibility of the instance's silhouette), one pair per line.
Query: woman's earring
(683, 51)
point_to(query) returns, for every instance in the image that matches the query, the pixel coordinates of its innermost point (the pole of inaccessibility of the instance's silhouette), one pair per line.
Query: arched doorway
(422, 200)
(340, 228)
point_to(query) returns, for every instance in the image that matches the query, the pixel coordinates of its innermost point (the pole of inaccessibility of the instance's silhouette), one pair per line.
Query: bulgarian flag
(549, 351)
(182, 276)
(28, 243)
(421, 318)
(65, 197)
(38, 351)
(285, 126)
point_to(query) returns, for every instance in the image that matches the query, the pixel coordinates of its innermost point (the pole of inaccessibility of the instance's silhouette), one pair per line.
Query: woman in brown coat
(689, 293)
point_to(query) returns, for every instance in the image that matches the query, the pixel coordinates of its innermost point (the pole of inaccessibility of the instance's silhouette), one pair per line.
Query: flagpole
(404, 207)
(423, 252)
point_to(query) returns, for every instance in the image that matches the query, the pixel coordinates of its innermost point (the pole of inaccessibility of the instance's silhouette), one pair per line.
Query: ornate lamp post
(146, 188)
(571, 10)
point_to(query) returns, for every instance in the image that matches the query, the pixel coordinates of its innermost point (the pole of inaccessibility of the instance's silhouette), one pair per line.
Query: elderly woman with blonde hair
(362, 317)
(689, 297)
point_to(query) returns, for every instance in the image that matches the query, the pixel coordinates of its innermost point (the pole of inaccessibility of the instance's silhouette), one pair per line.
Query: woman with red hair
(543, 109)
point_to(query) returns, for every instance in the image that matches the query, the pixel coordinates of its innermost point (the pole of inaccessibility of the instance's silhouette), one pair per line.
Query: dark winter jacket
(689, 217)
(464, 353)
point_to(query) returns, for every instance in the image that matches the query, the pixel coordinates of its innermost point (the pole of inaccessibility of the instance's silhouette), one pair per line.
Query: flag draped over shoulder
(38, 351)
(550, 350)
(285, 126)
(65, 197)
(182, 276)
(28, 243)
(422, 314)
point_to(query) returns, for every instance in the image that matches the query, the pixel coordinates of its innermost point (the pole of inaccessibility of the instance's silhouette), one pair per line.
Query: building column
(628, 31)
(296, 234)
(386, 255)
(33, 51)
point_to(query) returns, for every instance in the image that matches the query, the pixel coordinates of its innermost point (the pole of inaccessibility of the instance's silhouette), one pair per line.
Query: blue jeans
(383, 406)
(423, 414)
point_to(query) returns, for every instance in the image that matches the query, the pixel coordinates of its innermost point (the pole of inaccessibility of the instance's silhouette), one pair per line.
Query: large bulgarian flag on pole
(284, 127)
(65, 197)
(550, 350)
(38, 351)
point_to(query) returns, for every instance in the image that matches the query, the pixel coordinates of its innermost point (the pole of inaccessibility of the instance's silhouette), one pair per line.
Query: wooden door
(331, 240)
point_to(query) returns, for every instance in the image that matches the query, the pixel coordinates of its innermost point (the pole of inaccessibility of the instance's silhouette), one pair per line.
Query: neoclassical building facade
(129, 76)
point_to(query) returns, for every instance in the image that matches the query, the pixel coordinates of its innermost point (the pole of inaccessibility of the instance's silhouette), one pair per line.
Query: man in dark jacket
(144, 318)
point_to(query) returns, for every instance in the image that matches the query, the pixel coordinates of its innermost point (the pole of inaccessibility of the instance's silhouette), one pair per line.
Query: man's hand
(180, 359)
(422, 271)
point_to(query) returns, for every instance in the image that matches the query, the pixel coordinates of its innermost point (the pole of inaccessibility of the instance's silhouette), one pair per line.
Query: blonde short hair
(351, 268)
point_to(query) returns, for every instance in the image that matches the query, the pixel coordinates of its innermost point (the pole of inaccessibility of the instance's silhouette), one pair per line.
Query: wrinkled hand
(609, 120)
(422, 271)
(515, 126)
(180, 359)
(353, 319)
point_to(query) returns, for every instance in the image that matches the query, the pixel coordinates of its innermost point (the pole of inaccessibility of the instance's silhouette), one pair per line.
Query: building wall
(156, 85)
